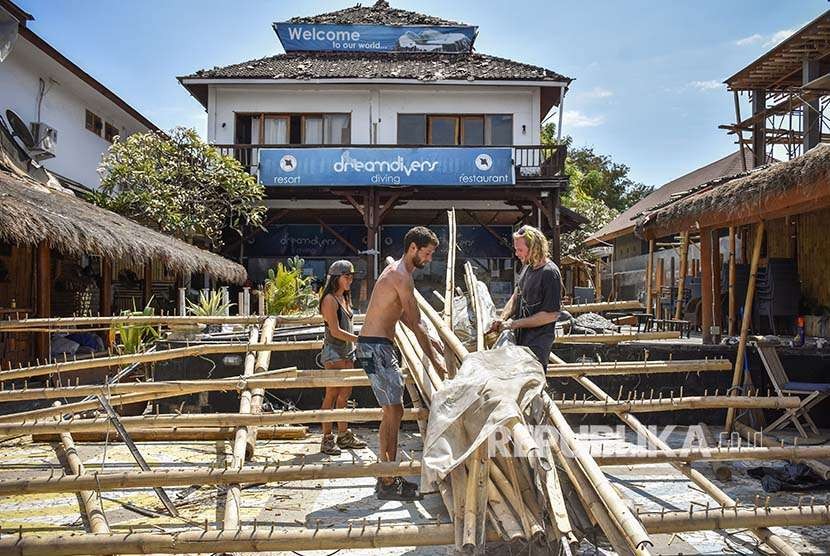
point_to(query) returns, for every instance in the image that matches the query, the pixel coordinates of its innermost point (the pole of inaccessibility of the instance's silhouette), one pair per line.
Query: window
(110, 131)
(478, 129)
(94, 123)
(293, 129)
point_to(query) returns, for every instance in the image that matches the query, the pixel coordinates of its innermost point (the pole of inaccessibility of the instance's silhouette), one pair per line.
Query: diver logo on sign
(288, 163)
(484, 162)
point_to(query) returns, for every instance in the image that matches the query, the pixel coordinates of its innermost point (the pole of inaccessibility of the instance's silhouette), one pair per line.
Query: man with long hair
(393, 300)
(535, 304)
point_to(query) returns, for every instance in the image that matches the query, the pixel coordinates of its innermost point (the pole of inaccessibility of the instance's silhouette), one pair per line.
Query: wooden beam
(737, 373)
(649, 273)
(105, 288)
(681, 276)
(598, 280)
(717, 298)
(617, 338)
(706, 294)
(147, 285)
(732, 278)
(658, 308)
(603, 306)
(43, 284)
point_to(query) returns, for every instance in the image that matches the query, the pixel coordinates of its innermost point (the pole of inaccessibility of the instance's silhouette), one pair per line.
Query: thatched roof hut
(31, 212)
(782, 189)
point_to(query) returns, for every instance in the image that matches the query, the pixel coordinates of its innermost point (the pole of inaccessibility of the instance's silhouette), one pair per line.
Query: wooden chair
(814, 392)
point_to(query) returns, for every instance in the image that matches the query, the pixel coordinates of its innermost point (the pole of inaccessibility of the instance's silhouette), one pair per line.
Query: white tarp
(489, 389)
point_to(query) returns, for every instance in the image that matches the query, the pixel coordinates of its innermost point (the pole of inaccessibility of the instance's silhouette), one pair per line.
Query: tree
(595, 210)
(179, 185)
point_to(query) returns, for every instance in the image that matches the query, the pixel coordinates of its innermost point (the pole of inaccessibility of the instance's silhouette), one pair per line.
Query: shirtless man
(393, 300)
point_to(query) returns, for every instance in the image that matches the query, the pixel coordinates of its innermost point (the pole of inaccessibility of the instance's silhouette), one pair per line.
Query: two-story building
(376, 119)
(72, 117)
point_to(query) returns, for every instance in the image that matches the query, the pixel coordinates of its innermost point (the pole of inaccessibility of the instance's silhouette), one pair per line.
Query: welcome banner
(307, 37)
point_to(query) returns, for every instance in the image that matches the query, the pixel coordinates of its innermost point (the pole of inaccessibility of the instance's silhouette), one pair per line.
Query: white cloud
(766, 41)
(575, 118)
(598, 92)
(710, 85)
(751, 39)
(778, 36)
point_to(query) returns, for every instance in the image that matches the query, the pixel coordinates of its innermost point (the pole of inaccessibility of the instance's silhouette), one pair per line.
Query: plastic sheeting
(490, 389)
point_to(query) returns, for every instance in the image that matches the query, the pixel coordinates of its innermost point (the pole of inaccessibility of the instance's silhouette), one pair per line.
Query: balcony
(534, 164)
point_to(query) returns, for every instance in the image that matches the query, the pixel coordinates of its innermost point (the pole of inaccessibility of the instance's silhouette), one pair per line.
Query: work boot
(348, 440)
(399, 489)
(328, 446)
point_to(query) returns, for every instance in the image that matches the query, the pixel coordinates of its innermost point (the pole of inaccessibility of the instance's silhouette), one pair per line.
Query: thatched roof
(796, 186)
(31, 212)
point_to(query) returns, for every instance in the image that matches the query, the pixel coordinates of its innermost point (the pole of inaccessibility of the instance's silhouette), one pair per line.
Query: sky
(648, 76)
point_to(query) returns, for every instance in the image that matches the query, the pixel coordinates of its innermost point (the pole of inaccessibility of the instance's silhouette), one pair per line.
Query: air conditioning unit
(45, 139)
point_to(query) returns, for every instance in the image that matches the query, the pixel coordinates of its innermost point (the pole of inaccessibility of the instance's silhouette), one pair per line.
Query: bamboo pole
(233, 494)
(747, 317)
(732, 278)
(263, 360)
(475, 476)
(681, 277)
(155, 320)
(472, 286)
(678, 404)
(802, 456)
(228, 476)
(722, 471)
(604, 306)
(617, 338)
(717, 454)
(633, 530)
(151, 357)
(598, 280)
(706, 286)
(90, 501)
(562, 370)
(220, 420)
(287, 432)
(737, 518)
(449, 292)
(765, 535)
(649, 272)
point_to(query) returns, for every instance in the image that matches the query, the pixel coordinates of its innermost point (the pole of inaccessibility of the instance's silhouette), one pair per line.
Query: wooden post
(732, 272)
(44, 295)
(649, 272)
(105, 289)
(717, 297)
(181, 305)
(598, 280)
(147, 292)
(658, 309)
(706, 294)
(747, 318)
(681, 276)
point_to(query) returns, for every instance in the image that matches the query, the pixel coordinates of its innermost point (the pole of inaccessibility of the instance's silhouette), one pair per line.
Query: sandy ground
(340, 502)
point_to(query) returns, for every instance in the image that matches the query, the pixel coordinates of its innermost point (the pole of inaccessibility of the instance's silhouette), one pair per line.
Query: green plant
(209, 305)
(287, 291)
(134, 338)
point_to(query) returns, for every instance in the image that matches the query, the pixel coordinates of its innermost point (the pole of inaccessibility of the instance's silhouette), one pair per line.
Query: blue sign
(307, 240)
(471, 241)
(333, 166)
(309, 37)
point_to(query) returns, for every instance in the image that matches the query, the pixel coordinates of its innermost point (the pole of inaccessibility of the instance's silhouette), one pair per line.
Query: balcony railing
(533, 163)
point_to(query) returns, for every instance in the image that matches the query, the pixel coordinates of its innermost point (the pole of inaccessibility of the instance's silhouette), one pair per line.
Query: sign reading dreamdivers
(390, 166)
(328, 37)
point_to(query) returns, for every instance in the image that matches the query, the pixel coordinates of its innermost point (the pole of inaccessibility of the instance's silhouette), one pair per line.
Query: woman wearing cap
(338, 344)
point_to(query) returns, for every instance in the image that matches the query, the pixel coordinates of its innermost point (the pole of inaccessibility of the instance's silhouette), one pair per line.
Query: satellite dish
(20, 130)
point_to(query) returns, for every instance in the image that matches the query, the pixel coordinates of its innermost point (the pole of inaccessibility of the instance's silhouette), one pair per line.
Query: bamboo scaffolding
(151, 357)
(737, 375)
(246, 539)
(220, 420)
(617, 338)
(285, 432)
(737, 518)
(89, 498)
(228, 476)
(677, 404)
(635, 457)
(722, 471)
(753, 436)
(765, 535)
(603, 306)
(263, 360)
(233, 494)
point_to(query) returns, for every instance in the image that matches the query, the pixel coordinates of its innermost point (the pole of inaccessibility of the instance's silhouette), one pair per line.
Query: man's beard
(419, 263)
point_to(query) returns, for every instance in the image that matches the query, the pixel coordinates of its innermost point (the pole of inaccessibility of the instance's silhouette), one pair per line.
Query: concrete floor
(339, 502)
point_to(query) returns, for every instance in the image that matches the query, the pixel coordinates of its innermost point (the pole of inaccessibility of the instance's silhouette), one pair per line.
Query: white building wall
(370, 105)
(63, 107)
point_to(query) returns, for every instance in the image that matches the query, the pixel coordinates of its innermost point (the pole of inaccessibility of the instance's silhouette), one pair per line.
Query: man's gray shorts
(377, 357)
